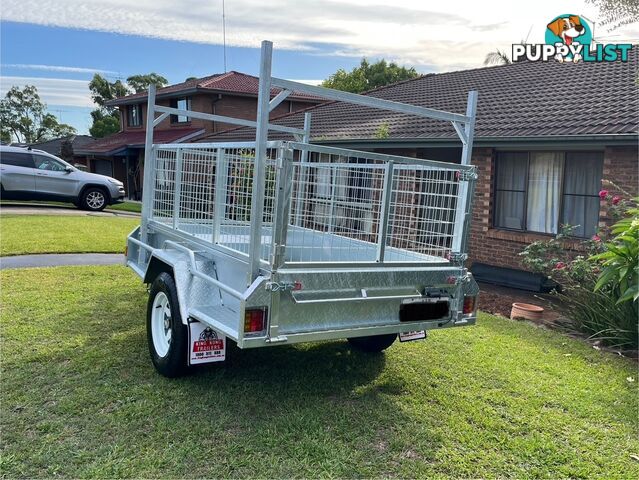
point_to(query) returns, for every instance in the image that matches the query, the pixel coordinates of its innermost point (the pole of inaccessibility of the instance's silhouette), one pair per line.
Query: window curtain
(581, 186)
(511, 190)
(544, 191)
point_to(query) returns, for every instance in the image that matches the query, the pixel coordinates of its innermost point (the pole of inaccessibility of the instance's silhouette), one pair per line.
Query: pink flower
(596, 238)
(560, 266)
(603, 194)
(616, 199)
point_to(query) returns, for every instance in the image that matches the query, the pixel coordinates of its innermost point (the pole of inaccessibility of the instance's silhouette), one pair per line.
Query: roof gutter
(629, 139)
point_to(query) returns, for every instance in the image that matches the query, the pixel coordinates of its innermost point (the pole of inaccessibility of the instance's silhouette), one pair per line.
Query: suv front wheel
(93, 199)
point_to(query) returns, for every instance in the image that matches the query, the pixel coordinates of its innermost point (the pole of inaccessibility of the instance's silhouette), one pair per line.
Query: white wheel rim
(95, 199)
(161, 324)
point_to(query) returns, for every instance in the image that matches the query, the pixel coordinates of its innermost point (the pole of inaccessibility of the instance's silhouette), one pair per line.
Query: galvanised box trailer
(270, 243)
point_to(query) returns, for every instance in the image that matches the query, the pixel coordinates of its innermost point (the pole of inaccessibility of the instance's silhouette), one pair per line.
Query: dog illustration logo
(571, 31)
(569, 40)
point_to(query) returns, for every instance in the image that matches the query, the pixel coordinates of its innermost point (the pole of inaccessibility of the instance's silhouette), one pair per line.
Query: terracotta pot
(526, 311)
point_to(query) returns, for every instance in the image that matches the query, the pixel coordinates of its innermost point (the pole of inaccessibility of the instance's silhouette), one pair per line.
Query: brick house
(231, 94)
(547, 134)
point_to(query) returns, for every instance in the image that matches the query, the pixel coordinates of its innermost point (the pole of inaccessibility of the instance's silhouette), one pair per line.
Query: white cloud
(53, 91)
(440, 36)
(55, 68)
(308, 82)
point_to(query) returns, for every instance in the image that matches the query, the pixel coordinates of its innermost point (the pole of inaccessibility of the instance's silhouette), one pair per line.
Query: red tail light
(254, 319)
(469, 304)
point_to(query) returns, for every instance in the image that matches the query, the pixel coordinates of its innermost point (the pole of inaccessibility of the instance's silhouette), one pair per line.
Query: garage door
(103, 167)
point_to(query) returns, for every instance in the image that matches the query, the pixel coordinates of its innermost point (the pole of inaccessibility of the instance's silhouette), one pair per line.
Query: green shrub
(620, 260)
(598, 315)
(599, 294)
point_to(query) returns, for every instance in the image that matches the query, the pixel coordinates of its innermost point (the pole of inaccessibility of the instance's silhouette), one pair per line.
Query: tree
(24, 117)
(140, 83)
(106, 120)
(368, 76)
(497, 57)
(104, 124)
(102, 90)
(616, 13)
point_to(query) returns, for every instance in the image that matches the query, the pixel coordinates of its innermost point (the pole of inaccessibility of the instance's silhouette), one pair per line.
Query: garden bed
(499, 300)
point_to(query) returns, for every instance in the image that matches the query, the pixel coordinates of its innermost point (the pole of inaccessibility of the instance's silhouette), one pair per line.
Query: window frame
(525, 212)
(174, 104)
(562, 193)
(129, 109)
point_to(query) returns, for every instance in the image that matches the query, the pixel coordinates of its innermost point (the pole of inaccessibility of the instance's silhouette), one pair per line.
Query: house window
(134, 116)
(342, 199)
(182, 104)
(540, 191)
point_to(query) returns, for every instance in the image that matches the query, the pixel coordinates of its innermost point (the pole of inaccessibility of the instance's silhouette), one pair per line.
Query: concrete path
(36, 209)
(61, 259)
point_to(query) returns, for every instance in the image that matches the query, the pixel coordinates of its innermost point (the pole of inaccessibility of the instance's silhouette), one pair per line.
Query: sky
(57, 45)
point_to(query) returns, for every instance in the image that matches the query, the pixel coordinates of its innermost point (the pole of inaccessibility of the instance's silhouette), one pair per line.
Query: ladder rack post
(149, 172)
(461, 220)
(261, 137)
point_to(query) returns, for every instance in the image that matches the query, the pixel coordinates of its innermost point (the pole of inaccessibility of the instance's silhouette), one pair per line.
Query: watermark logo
(569, 39)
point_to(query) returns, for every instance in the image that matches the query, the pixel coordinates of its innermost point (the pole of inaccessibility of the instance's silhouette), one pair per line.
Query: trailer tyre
(166, 334)
(374, 343)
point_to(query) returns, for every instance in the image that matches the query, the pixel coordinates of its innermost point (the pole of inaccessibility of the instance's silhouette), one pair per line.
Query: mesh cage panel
(344, 207)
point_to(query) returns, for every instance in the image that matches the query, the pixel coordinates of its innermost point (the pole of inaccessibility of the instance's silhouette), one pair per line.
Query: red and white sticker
(414, 335)
(206, 345)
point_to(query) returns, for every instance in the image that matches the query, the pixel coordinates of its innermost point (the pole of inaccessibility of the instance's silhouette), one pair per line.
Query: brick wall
(500, 247)
(620, 166)
(228, 105)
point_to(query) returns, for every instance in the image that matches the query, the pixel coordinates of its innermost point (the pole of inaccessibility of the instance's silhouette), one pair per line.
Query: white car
(27, 174)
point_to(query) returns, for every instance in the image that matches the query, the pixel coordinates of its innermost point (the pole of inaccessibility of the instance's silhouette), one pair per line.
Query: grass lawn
(126, 207)
(25, 234)
(80, 398)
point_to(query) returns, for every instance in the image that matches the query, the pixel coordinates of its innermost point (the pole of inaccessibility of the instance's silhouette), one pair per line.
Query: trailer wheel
(374, 343)
(166, 334)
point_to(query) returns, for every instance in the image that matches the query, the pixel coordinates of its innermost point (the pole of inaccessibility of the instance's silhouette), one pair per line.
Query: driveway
(61, 259)
(17, 208)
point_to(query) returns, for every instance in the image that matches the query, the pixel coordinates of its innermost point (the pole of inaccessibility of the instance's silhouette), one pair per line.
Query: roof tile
(121, 140)
(233, 82)
(525, 99)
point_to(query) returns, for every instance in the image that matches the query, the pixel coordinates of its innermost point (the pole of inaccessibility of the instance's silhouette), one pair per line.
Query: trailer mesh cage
(337, 205)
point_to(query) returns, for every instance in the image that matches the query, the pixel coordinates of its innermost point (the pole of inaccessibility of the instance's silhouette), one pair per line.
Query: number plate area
(410, 336)
(427, 308)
